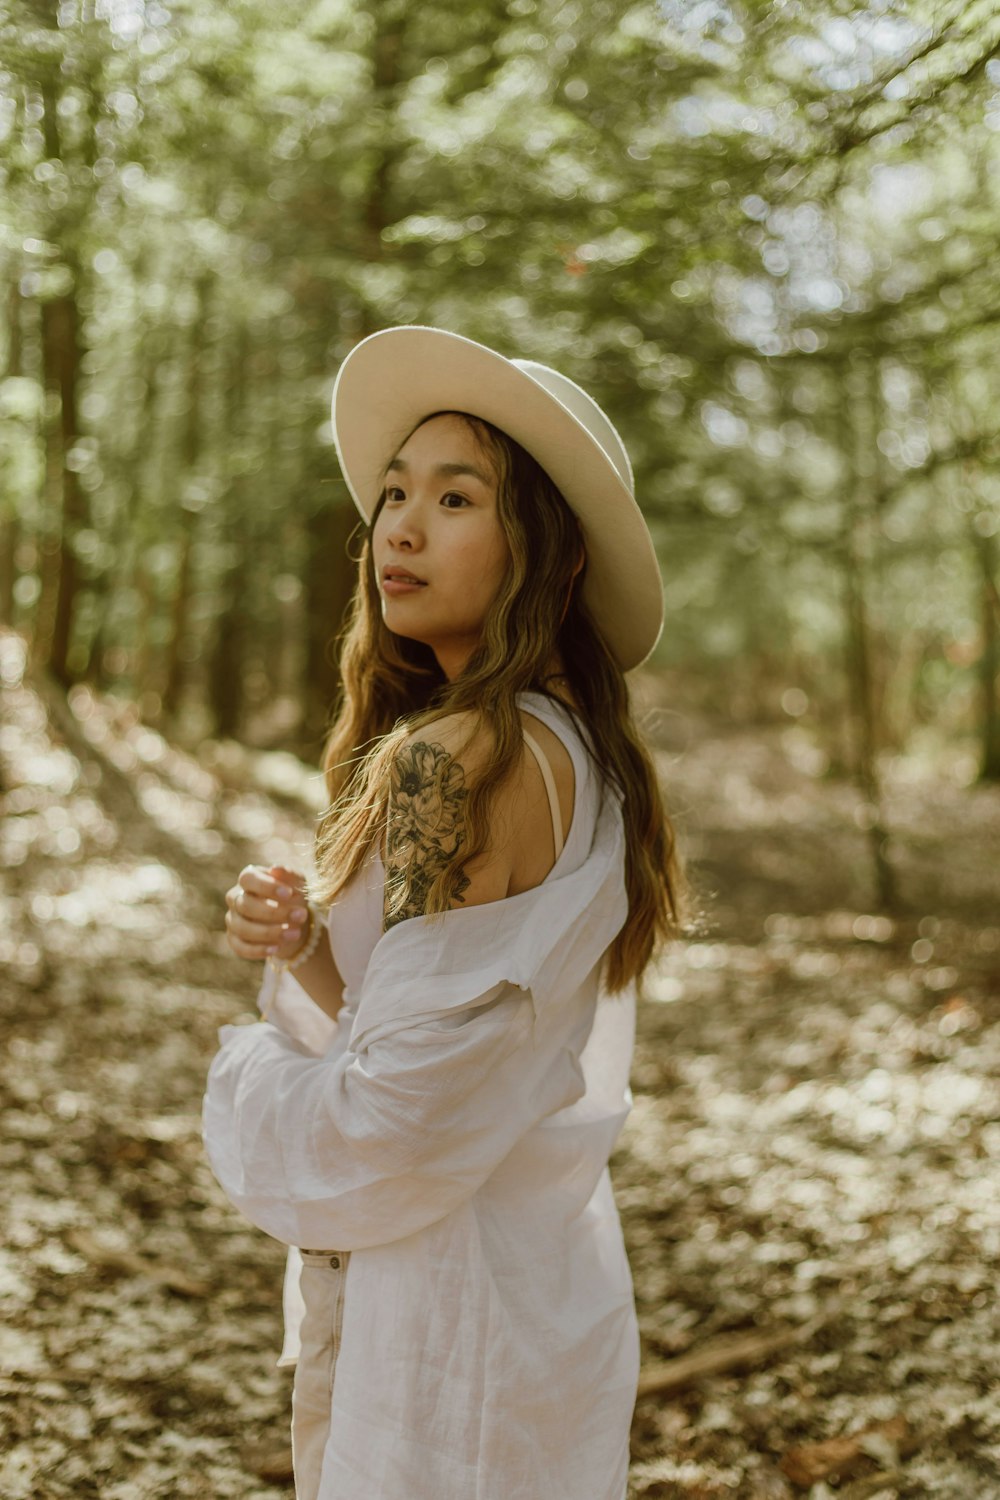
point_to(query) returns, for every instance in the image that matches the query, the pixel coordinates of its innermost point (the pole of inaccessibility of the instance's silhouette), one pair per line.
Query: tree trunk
(61, 355)
(387, 47)
(147, 467)
(10, 536)
(188, 510)
(225, 677)
(331, 572)
(122, 452)
(989, 661)
(859, 541)
(10, 523)
(226, 663)
(149, 699)
(330, 575)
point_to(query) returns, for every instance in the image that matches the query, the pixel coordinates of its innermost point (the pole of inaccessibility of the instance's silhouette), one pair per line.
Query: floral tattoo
(426, 827)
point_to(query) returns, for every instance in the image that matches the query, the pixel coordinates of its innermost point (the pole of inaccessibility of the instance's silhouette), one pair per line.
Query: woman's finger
(266, 908)
(269, 927)
(258, 909)
(284, 885)
(255, 950)
(261, 945)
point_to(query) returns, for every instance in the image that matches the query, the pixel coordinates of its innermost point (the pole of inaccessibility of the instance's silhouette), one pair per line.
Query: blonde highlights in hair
(392, 686)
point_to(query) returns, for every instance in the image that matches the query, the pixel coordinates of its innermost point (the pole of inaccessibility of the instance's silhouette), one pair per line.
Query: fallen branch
(726, 1354)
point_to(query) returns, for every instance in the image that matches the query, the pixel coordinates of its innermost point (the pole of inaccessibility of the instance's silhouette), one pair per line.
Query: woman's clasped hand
(266, 914)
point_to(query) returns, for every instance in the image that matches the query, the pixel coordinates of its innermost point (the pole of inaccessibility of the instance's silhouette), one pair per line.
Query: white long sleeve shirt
(452, 1129)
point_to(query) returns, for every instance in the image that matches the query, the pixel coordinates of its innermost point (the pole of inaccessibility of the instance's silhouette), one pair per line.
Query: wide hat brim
(392, 380)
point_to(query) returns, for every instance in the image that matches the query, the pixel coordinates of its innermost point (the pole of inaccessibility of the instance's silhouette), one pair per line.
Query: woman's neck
(556, 682)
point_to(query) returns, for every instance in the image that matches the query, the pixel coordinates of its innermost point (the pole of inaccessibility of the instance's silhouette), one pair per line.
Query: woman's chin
(395, 619)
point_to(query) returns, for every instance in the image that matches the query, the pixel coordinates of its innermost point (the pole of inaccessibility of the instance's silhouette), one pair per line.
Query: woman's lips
(394, 583)
(393, 586)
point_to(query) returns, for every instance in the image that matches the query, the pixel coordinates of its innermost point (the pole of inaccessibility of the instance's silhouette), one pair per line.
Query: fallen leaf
(272, 1464)
(811, 1462)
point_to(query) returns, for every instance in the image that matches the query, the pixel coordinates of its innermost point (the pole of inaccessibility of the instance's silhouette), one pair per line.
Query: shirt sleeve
(364, 1148)
(283, 1001)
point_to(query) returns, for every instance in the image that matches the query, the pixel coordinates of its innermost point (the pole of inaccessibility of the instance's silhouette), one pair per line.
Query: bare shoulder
(456, 733)
(427, 828)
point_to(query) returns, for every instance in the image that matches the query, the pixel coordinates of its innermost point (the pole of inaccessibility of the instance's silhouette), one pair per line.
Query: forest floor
(808, 1180)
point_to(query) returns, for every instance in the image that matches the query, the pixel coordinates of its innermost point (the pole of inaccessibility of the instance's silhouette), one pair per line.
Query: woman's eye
(394, 493)
(446, 499)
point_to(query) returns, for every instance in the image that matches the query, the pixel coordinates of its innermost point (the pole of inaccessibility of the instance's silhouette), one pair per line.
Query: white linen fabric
(451, 1129)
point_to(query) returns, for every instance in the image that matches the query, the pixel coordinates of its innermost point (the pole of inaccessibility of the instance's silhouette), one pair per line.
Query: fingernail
(299, 914)
(272, 949)
(294, 932)
(284, 891)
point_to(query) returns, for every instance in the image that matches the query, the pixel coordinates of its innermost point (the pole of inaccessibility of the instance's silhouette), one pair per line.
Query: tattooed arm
(427, 828)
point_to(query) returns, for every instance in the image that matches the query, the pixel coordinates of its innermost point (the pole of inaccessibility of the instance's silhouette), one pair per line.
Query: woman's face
(438, 548)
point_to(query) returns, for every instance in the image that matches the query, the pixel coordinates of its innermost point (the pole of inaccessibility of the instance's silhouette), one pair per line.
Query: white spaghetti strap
(550, 788)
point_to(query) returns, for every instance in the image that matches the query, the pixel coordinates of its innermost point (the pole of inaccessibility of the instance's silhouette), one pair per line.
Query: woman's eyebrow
(444, 470)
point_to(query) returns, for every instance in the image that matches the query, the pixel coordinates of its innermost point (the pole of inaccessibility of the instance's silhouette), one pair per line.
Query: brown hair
(392, 686)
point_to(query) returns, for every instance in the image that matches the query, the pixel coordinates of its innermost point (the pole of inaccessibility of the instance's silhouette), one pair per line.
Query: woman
(427, 1114)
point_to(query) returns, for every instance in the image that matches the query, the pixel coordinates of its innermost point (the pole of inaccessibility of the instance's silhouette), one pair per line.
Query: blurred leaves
(805, 1180)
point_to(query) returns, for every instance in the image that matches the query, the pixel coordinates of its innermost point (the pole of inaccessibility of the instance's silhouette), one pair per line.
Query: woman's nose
(405, 532)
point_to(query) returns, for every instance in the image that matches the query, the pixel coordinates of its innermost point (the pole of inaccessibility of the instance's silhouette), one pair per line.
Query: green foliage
(763, 236)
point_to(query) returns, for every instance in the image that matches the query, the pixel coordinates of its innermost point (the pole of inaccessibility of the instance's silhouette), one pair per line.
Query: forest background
(764, 235)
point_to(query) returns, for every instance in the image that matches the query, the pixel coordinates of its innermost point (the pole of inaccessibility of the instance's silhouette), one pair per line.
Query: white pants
(324, 1273)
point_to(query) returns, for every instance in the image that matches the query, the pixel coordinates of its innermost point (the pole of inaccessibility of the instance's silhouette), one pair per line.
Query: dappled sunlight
(813, 1145)
(764, 238)
(814, 1141)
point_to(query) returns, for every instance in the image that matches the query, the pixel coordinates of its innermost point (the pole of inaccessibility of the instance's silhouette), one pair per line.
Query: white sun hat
(392, 380)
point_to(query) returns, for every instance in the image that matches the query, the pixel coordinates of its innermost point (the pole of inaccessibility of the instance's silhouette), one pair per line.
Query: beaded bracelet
(312, 942)
(275, 967)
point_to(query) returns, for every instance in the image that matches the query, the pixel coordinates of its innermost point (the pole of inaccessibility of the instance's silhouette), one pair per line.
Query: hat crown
(586, 411)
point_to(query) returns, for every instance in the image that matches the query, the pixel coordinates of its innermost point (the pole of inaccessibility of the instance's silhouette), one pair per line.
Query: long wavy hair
(391, 686)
